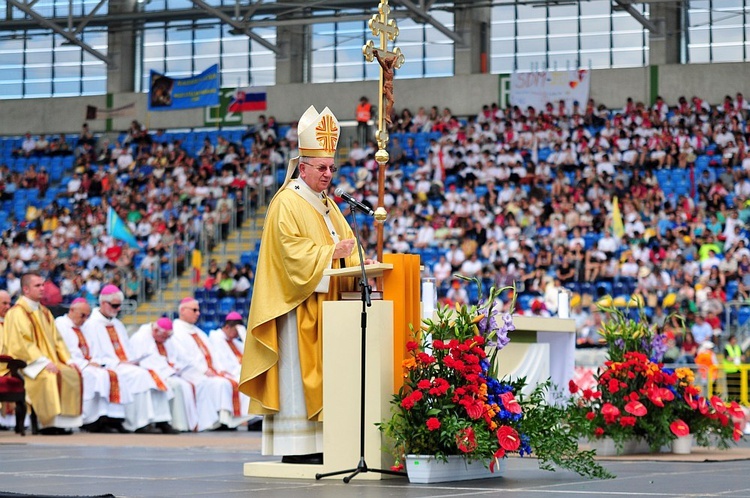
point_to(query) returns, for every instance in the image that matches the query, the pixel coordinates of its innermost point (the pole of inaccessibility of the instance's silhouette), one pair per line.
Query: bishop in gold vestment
(304, 234)
(54, 388)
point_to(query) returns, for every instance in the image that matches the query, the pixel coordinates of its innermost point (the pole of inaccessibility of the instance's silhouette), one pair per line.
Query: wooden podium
(341, 383)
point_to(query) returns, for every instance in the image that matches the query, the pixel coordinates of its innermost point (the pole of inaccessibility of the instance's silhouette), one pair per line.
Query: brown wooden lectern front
(341, 380)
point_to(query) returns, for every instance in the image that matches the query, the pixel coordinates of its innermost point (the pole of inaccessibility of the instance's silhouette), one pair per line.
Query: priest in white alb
(103, 396)
(153, 343)
(110, 347)
(230, 408)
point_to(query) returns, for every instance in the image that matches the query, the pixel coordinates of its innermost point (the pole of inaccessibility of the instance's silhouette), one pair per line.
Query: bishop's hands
(343, 249)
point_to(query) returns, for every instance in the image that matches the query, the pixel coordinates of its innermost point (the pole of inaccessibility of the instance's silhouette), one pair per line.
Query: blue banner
(169, 94)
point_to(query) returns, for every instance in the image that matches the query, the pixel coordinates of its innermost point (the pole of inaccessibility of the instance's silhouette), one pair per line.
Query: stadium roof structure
(245, 16)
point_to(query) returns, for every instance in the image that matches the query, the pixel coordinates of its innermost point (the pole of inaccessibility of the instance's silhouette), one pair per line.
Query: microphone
(354, 202)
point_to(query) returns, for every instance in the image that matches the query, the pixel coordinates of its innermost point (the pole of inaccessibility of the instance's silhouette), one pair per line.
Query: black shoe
(311, 459)
(117, 426)
(54, 431)
(225, 428)
(255, 426)
(149, 429)
(166, 428)
(97, 426)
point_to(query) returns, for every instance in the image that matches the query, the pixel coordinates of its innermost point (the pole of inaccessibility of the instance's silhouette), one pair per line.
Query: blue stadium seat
(226, 305)
(603, 288)
(743, 315)
(731, 289)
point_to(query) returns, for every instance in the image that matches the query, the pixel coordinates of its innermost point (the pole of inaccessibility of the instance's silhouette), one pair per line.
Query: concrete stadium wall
(464, 94)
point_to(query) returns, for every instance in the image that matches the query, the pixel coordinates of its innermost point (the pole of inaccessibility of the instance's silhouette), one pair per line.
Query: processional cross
(389, 61)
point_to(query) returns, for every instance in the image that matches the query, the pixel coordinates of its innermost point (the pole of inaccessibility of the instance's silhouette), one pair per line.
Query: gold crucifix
(389, 61)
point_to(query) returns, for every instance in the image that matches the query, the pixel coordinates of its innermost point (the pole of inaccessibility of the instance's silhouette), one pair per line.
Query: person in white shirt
(110, 346)
(153, 343)
(231, 407)
(28, 145)
(104, 398)
(472, 267)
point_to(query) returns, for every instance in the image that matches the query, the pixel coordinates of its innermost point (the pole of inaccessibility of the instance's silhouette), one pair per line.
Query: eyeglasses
(323, 169)
(115, 305)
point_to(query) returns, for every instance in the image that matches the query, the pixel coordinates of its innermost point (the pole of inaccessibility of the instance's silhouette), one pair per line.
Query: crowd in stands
(526, 197)
(512, 196)
(172, 194)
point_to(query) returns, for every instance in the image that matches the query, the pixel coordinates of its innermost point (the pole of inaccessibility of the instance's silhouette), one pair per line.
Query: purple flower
(659, 347)
(502, 338)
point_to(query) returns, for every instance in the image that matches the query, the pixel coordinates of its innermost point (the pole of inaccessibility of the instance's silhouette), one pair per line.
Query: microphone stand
(366, 289)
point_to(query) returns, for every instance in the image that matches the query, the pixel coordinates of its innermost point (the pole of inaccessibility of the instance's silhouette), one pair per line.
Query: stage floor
(210, 465)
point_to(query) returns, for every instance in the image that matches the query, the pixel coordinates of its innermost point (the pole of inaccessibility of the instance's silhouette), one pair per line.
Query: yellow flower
(478, 318)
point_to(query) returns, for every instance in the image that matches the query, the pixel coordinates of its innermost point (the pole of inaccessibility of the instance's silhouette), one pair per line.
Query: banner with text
(538, 88)
(169, 94)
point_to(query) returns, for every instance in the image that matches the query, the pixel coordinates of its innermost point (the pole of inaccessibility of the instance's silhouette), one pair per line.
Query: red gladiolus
(508, 438)
(433, 424)
(613, 386)
(636, 408)
(423, 384)
(572, 386)
(590, 416)
(598, 432)
(510, 402)
(718, 404)
(588, 394)
(466, 440)
(412, 345)
(596, 394)
(438, 344)
(679, 428)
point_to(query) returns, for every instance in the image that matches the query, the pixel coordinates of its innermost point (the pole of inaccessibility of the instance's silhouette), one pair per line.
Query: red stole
(122, 356)
(209, 361)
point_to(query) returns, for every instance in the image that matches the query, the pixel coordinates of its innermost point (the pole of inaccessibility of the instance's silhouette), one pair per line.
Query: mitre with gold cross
(318, 136)
(318, 133)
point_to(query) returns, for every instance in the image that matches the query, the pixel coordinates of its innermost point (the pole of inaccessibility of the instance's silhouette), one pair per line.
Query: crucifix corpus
(386, 30)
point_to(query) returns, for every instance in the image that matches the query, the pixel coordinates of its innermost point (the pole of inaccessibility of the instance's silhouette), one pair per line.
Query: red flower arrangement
(638, 397)
(451, 402)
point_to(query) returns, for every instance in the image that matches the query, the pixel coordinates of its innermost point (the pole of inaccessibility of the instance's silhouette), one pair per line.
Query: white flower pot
(425, 469)
(606, 447)
(682, 445)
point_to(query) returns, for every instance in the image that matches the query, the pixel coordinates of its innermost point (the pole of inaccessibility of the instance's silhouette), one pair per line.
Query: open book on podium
(387, 333)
